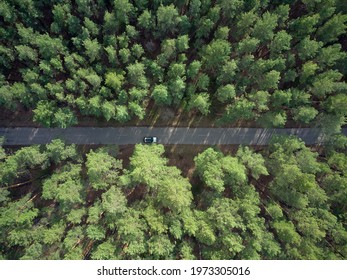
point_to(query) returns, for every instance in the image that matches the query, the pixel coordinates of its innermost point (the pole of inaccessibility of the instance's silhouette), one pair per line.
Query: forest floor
(182, 156)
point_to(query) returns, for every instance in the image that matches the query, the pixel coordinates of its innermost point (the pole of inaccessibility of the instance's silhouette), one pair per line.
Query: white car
(150, 139)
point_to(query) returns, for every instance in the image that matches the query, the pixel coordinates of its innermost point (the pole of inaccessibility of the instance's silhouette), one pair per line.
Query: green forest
(270, 62)
(235, 63)
(285, 202)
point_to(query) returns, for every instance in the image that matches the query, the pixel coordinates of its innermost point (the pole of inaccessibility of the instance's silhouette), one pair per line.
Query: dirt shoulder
(155, 116)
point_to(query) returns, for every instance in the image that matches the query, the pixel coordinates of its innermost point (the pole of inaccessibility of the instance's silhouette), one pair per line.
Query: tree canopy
(286, 201)
(112, 60)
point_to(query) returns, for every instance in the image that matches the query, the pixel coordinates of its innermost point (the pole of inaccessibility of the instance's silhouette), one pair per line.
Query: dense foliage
(286, 202)
(269, 61)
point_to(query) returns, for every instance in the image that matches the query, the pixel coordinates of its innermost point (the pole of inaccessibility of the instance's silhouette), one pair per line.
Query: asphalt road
(23, 136)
